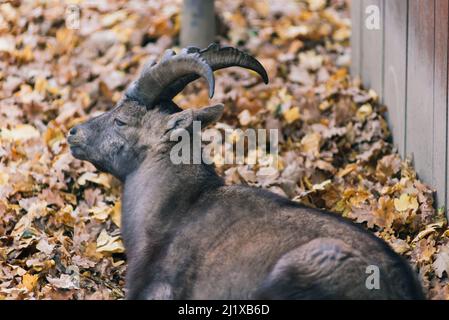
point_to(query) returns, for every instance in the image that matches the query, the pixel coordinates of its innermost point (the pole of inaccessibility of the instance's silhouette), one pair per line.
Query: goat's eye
(119, 123)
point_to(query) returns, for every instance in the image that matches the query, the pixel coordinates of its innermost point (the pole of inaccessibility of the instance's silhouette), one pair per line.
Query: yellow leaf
(342, 34)
(29, 281)
(339, 75)
(116, 213)
(40, 85)
(4, 178)
(292, 115)
(262, 7)
(347, 170)
(406, 202)
(91, 251)
(101, 179)
(325, 105)
(364, 111)
(53, 135)
(25, 55)
(66, 215)
(108, 244)
(431, 228)
(356, 197)
(101, 213)
(316, 5)
(425, 250)
(322, 186)
(311, 143)
(384, 214)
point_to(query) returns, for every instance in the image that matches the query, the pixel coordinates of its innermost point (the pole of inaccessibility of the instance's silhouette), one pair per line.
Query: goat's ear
(209, 115)
(180, 120)
(184, 119)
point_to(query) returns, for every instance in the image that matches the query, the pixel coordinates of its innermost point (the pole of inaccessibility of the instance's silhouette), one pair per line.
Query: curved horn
(155, 78)
(217, 58)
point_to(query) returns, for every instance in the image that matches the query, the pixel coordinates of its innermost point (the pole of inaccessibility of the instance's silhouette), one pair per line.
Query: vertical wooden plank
(440, 101)
(372, 49)
(420, 84)
(395, 68)
(356, 41)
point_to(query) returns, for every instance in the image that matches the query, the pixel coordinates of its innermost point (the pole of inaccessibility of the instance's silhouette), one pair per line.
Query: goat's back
(251, 243)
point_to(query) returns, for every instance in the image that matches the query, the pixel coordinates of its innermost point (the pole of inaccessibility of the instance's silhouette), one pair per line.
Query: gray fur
(188, 236)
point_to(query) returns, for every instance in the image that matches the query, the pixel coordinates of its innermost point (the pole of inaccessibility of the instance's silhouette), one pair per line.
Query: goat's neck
(156, 201)
(158, 195)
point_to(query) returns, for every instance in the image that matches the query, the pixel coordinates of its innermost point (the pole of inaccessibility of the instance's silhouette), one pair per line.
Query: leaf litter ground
(60, 218)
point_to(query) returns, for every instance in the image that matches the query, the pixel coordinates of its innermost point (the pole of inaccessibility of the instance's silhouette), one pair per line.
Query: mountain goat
(189, 236)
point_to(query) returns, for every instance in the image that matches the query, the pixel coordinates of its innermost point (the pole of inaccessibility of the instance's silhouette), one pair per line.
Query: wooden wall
(406, 63)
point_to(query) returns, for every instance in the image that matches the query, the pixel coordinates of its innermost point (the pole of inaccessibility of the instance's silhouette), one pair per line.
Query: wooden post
(415, 87)
(356, 40)
(395, 69)
(420, 84)
(372, 48)
(440, 124)
(198, 23)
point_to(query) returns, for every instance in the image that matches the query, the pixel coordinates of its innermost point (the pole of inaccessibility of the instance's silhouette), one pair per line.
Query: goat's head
(141, 123)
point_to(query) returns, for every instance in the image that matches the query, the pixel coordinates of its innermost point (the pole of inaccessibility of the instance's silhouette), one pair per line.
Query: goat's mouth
(77, 151)
(76, 147)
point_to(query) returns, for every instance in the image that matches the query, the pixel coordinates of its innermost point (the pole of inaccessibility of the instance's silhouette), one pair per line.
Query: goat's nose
(73, 131)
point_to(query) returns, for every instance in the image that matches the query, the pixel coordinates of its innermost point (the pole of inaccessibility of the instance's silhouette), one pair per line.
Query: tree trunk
(198, 23)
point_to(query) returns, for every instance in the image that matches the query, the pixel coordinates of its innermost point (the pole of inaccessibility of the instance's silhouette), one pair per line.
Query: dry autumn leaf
(44, 246)
(99, 178)
(311, 144)
(406, 202)
(29, 281)
(116, 213)
(292, 115)
(19, 133)
(108, 244)
(245, 118)
(63, 282)
(441, 263)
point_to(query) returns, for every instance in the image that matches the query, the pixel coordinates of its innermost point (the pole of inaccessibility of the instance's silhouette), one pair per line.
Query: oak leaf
(108, 244)
(441, 263)
(29, 281)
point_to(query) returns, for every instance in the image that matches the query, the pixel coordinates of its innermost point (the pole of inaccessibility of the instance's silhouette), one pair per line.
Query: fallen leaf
(20, 132)
(29, 281)
(100, 178)
(245, 118)
(292, 115)
(63, 282)
(116, 213)
(44, 246)
(441, 263)
(311, 143)
(322, 186)
(108, 244)
(406, 202)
